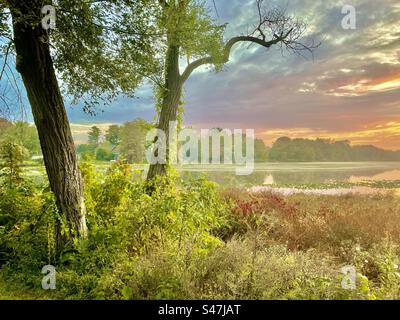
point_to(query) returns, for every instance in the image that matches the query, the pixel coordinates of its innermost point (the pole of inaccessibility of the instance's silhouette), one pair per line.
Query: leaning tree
(84, 52)
(190, 34)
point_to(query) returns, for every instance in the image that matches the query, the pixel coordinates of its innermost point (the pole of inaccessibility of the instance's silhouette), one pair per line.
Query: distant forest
(127, 142)
(320, 150)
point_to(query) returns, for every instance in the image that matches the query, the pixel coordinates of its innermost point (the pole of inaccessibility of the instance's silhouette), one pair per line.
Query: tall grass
(190, 240)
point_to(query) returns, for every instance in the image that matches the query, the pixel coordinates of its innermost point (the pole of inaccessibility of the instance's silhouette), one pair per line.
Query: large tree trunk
(35, 65)
(170, 105)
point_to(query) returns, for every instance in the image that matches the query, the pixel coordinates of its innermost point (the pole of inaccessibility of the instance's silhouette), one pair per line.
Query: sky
(349, 91)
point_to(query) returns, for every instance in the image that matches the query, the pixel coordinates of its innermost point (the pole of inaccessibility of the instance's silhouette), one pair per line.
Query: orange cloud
(365, 86)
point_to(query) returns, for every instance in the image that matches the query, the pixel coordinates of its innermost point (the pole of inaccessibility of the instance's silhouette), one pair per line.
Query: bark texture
(282, 29)
(169, 106)
(35, 65)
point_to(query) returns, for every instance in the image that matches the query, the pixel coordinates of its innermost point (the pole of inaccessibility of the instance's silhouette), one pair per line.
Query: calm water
(299, 173)
(266, 174)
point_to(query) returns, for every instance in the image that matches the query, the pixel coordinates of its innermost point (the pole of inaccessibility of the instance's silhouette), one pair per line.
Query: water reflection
(300, 173)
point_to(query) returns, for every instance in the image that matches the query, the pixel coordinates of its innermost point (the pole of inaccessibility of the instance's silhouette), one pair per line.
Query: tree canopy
(192, 35)
(89, 42)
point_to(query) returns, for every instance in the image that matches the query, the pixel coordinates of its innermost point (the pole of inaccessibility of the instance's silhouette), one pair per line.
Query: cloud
(353, 81)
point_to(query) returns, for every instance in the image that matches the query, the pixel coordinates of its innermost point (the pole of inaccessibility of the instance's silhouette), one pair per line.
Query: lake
(293, 174)
(299, 173)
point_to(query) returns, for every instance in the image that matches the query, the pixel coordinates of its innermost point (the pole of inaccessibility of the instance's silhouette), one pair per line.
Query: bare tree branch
(5, 59)
(215, 8)
(227, 51)
(275, 25)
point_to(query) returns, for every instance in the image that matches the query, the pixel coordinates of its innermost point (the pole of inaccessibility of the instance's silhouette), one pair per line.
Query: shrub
(12, 155)
(104, 155)
(186, 240)
(322, 222)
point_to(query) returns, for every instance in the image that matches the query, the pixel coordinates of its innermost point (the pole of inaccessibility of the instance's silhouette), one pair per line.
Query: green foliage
(113, 135)
(104, 155)
(27, 241)
(186, 240)
(95, 150)
(106, 196)
(86, 151)
(195, 32)
(127, 142)
(188, 27)
(23, 134)
(90, 42)
(260, 151)
(12, 156)
(88, 156)
(133, 140)
(94, 136)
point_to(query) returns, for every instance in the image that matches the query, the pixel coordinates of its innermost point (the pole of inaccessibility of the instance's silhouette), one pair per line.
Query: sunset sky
(351, 90)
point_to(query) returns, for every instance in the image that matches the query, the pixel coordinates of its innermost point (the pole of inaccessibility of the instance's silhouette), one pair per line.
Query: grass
(322, 222)
(17, 292)
(192, 240)
(383, 184)
(274, 248)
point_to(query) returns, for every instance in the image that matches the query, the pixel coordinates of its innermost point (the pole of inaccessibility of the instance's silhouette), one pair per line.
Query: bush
(186, 240)
(27, 242)
(104, 155)
(321, 222)
(12, 156)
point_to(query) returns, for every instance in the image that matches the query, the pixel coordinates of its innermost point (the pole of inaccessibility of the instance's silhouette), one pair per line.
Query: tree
(83, 46)
(133, 140)
(12, 156)
(103, 154)
(260, 151)
(35, 65)
(113, 135)
(94, 136)
(286, 149)
(25, 135)
(192, 34)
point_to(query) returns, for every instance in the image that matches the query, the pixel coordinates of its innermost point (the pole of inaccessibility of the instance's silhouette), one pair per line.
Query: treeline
(128, 142)
(320, 150)
(124, 142)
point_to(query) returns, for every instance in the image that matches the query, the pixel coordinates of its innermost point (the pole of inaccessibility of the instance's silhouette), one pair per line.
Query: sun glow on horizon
(384, 135)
